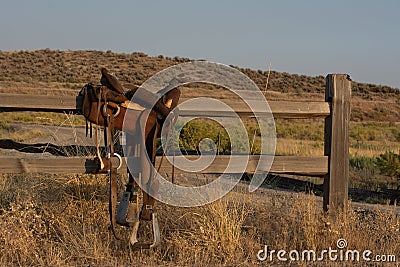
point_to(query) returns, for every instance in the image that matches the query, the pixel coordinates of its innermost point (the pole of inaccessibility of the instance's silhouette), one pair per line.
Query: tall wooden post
(338, 94)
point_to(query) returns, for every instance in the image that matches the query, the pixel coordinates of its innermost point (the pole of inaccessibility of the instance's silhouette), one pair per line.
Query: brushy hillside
(72, 69)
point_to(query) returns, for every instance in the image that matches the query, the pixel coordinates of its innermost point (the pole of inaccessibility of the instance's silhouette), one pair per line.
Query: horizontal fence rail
(24, 102)
(61, 104)
(310, 166)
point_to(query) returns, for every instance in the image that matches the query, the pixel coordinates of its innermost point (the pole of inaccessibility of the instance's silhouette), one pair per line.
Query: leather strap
(113, 201)
(148, 207)
(113, 177)
(97, 140)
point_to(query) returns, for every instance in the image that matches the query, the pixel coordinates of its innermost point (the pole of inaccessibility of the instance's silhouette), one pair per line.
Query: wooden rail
(333, 166)
(24, 102)
(310, 166)
(61, 104)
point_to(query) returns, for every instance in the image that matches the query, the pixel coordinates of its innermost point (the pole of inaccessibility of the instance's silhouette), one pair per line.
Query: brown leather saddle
(107, 105)
(117, 97)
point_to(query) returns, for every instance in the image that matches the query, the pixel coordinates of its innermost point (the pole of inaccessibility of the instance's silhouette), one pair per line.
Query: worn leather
(138, 121)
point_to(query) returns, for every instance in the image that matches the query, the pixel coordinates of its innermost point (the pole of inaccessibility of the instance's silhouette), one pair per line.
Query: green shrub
(364, 173)
(196, 130)
(362, 163)
(389, 164)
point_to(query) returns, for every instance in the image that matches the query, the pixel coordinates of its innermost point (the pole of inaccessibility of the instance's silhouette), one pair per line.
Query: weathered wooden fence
(333, 166)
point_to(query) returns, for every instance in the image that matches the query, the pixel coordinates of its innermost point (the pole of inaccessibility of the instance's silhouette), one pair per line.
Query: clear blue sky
(316, 37)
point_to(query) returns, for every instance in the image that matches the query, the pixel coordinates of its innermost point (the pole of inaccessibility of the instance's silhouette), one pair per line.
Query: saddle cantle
(111, 81)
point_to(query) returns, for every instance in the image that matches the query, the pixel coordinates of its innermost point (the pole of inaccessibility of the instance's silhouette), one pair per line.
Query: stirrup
(127, 213)
(156, 234)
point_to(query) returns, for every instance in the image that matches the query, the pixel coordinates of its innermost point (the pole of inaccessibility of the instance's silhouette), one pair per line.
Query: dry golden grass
(316, 148)
(373, 148)
(62, 221)
(299, 147)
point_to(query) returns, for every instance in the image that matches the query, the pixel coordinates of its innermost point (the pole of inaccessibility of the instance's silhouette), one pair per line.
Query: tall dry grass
(62, 221)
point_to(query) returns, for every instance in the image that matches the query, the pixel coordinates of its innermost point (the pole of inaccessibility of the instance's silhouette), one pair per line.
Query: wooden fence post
(337, 94)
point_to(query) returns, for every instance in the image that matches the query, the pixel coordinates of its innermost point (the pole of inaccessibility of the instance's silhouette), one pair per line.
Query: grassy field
(49, 220)
(62, 220)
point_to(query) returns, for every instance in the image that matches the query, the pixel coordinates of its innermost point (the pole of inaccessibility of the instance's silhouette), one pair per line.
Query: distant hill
(72, 69)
